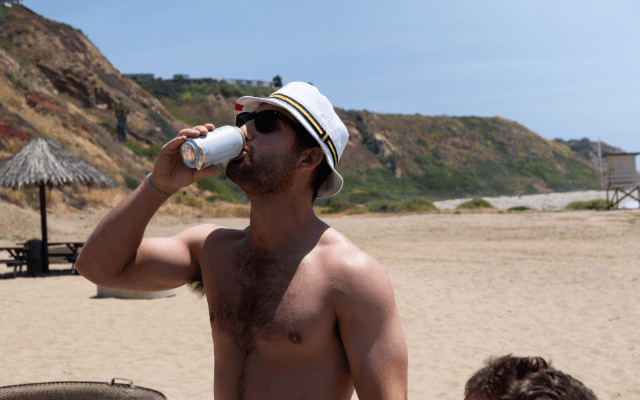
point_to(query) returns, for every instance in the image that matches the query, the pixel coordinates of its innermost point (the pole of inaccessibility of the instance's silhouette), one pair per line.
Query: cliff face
(55, 83)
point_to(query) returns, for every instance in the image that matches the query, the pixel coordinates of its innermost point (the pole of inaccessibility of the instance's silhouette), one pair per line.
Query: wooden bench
(65, 252)
(63, 256)
(19, 258)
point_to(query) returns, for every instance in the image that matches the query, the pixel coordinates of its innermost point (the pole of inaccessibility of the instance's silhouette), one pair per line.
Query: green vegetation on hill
(192, 93)
(4, 12)
(222, 188)
(414, 155)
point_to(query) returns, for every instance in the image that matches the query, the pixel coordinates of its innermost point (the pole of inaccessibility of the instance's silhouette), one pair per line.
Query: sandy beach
(561, 285)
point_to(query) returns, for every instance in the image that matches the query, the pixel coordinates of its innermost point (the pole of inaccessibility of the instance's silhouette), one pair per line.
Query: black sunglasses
(265, 121)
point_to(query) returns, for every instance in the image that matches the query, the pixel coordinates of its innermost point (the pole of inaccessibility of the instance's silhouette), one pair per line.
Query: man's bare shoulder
(350, 269)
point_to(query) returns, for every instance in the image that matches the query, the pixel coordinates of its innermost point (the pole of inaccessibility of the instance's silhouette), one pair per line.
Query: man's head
(307, 121)
(278, 151)
(523, 378)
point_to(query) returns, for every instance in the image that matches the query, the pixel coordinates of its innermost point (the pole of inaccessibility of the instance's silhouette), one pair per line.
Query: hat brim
(334, 182)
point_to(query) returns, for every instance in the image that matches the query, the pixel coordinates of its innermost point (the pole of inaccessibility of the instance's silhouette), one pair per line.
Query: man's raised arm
(371, 332)
(115, 255)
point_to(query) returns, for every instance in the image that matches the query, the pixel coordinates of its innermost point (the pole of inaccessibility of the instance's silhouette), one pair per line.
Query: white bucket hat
(317, 116)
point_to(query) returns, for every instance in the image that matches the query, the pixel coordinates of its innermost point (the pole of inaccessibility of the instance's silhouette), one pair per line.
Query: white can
(219, 145)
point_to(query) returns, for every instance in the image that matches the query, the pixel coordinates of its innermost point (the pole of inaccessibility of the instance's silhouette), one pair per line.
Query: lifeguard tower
(620, 175)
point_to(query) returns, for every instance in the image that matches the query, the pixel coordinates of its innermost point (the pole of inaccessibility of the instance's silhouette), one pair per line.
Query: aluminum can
(219, 145)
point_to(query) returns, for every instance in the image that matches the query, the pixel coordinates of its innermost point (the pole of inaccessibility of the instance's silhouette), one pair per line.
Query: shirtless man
(297, 311)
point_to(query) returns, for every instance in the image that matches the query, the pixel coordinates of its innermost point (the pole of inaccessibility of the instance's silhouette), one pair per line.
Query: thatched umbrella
(42, 162)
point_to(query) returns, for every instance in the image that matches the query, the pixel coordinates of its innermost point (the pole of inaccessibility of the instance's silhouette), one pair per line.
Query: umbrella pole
(43, 219)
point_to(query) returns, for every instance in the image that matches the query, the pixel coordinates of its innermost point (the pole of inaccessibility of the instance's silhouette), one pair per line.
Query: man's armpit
(197, 285)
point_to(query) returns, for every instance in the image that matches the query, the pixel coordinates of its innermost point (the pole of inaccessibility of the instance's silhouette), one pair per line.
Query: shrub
(218, 190)
(150, 153)
(519, 209)
(182, 198)
(21, 84)
(475, 203)
(360, 196)
(131, 181)
(598, 204)
(384, 205)
(110, 127)
(336, 205)
(418, 204)
(395, 205)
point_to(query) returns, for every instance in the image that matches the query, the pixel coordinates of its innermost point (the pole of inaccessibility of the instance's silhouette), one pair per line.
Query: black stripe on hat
(324, 136)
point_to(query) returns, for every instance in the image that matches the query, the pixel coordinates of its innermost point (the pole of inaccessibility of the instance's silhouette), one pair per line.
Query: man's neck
(283, 223)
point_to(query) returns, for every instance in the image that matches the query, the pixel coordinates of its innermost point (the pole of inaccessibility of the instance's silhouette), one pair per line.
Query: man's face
(268, 163)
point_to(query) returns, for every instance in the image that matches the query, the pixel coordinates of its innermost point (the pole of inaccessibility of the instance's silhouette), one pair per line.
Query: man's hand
(170, 174)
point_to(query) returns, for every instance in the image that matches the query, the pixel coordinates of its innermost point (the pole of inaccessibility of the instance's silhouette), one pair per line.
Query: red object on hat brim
(238, 107)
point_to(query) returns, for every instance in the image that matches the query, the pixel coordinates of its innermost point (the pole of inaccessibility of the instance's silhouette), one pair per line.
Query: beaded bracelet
(154, 186)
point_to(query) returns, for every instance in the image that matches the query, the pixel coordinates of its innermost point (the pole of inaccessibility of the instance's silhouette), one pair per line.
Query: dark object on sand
(81, 391)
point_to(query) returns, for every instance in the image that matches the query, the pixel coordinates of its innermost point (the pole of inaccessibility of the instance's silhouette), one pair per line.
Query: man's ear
(310, 158)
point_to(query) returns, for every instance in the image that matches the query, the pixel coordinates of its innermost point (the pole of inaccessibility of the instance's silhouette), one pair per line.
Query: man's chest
(260, 303)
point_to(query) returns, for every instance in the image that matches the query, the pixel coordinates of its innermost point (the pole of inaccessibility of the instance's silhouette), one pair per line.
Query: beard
(266, 175)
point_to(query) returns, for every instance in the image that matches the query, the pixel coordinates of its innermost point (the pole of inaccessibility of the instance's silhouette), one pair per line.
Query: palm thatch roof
(41, 161)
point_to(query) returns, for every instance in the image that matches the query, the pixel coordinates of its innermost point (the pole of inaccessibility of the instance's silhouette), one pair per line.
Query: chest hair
(248, 293)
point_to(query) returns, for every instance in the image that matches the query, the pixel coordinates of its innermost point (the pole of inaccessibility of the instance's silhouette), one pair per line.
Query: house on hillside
(9, 3)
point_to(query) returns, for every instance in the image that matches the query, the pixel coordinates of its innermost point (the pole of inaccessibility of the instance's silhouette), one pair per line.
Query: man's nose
(248, 131)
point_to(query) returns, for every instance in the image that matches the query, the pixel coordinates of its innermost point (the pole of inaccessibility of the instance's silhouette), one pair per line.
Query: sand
(561, 285)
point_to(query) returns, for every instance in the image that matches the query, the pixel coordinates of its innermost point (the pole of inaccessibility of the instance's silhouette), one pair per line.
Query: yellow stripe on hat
(324, 136)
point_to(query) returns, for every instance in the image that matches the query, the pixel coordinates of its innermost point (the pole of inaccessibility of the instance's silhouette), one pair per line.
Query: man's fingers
(202, 129)
(176, 142)
(210, 127)
(191, 132)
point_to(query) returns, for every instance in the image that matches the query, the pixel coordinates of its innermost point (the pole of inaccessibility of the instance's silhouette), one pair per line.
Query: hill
(410, 155)
(55, 83)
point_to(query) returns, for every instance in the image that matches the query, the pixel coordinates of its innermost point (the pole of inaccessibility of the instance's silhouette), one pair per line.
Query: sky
(564, 69)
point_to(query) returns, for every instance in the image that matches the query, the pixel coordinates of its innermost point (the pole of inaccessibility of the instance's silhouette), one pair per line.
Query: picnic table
(69, 251)
(19, 257)
(58, 252)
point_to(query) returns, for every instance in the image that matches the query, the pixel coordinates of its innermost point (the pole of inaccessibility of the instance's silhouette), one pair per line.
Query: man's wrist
(157, 188)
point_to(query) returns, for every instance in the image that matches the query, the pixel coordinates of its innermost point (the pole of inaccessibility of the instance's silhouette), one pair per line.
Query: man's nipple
(294, 338)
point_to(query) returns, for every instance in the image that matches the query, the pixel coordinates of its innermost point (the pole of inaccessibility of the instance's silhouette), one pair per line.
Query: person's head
(523, 378)
(294, 140)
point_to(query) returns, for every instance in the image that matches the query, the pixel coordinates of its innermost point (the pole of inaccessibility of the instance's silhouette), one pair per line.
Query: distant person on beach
(524, 378)
(296, 309)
